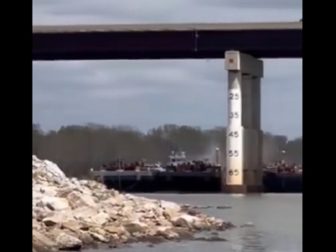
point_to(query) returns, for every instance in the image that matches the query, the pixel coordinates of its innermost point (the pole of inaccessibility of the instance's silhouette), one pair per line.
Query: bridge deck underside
(166, 44)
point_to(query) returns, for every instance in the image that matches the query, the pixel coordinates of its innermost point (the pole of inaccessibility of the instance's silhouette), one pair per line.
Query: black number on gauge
(233, 134)
(234, 115)
(233, 153)
(233, 96)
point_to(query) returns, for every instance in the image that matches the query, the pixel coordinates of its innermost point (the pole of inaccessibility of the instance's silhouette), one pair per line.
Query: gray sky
(146, 94)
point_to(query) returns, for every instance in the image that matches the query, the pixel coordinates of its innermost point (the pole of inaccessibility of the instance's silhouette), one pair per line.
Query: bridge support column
(243, 172)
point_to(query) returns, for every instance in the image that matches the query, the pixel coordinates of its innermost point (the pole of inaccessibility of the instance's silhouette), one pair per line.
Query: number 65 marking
(233, 172)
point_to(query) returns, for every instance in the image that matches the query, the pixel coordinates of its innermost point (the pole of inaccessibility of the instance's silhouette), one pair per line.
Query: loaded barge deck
(161, 181)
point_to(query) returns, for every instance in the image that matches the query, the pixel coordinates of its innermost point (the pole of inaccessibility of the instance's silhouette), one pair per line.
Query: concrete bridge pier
(243, 172)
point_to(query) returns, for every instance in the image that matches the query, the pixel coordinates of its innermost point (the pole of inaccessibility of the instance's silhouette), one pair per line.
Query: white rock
(54, 169)
(100, 218)
(163, 222)
(48, 171)
(84, 213)
(45, 190)
(114, 193)
(111, 202)
(40, 213)
(58, 218)
(130, 196)
(77, 199)
(72, 225)
(36, 225)
(65, 241)
(170, 214)
(201, 224)
(127, 210)
(149, 206)
(162, 229)
(170, 205)
(64, 192)
(136, 226)
(111, 211)
(41, 240)
(167, 232)
(99, 234)
(85, 237)
(37, 196)
(171, 235)
(185, 220)
(115, 229)
(98, 237)
(55, 203)
(75, 182)
(83, 182)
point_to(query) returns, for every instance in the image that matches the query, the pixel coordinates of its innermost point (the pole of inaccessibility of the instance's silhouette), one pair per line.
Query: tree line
(76, 149)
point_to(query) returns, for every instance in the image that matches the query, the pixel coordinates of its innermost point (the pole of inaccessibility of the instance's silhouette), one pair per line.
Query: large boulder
(119, 230)
(98, 237)
(170, 214)
(111, 211)
(136, 226)
(39, 213)
(111, 202)
(84, 213)
(43, 190)
(147, 206)
(68, 242)
(100, 219)
(41, 241)
(99, 234)
(170, 205)
(75, 183)
(72, 225)
(58, 218)
(170, 210)
(185, 220)
(91, 216)
(64, 191)
(36, 225)
(167, 232)
(127, 211)
(162, 221)
(48, 172)
(76, 200)
(201, 224)
(54, 203)
(85, 237)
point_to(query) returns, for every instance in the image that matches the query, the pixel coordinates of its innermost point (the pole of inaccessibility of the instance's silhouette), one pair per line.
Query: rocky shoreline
(71, 214)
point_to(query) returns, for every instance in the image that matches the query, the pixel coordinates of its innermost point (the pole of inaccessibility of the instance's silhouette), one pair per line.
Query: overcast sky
(146, 94)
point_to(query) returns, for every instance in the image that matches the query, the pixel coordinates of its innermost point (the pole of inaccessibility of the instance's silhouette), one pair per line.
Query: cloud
(152, 11)
(255, 4)
(147, 93)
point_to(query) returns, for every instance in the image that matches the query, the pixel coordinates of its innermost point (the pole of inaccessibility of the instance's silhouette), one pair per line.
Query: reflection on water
(276, 218)
(251, 240)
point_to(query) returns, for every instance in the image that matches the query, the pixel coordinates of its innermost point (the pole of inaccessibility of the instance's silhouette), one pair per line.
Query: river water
(270, 223)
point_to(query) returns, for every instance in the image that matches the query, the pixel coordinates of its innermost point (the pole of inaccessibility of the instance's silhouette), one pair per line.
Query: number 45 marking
(233, 134)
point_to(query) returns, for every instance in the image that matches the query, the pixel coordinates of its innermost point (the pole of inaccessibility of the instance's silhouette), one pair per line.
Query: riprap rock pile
(72, 214)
